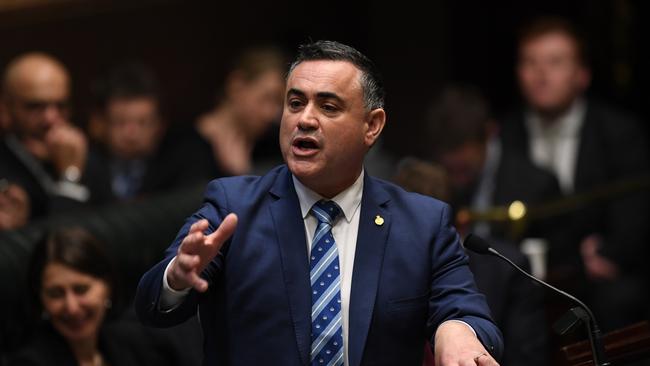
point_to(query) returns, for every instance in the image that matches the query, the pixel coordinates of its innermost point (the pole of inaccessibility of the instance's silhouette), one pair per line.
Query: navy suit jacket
(410, 274)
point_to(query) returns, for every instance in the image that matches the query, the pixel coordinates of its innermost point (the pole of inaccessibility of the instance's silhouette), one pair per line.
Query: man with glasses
(41, 153)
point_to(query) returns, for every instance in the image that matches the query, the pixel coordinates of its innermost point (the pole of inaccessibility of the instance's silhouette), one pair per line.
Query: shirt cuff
(72, 190)
(462, 322)
(170, 299)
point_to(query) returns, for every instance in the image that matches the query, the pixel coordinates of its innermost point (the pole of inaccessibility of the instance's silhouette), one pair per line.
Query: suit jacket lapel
(289, 227)
(371, 242)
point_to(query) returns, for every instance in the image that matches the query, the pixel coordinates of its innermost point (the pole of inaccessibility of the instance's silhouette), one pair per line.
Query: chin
(86, 331)
(79, 329)
(301, 168)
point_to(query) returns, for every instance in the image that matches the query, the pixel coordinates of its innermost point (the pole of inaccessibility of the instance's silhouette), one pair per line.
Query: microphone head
(477, 244)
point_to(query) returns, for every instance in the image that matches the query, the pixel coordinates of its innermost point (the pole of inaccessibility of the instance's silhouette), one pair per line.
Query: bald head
(35, 92)
(34, 73)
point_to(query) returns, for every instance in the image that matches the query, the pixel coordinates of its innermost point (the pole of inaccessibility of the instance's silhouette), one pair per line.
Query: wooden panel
(622, 346)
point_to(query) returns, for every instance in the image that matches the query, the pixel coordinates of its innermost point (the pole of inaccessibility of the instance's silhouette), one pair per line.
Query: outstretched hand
(456, 345)
(196, 251)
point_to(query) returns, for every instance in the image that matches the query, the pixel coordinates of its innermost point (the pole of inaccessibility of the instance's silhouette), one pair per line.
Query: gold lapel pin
(379, 220)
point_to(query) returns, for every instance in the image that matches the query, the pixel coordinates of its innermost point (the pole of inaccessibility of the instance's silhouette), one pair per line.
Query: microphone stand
(583, 313)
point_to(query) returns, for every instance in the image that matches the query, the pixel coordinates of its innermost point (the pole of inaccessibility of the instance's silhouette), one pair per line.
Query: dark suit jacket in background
(42, 203)
(612, 148)
(410, 274)
(518, 179)
(183, 159)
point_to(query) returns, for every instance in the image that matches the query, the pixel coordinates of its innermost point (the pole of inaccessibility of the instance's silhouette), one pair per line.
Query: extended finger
(200, 225)
(224, 231)
(191, 242)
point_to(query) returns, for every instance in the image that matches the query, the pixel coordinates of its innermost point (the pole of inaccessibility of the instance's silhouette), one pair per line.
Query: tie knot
(326, 211)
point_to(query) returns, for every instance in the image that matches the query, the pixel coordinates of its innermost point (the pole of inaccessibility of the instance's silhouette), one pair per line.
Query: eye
(35, 106)
(80, 289)
(329, 108)
(53, 292)
(294, 104)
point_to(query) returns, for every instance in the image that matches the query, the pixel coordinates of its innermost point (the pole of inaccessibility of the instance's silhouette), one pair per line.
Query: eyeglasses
(40, 106)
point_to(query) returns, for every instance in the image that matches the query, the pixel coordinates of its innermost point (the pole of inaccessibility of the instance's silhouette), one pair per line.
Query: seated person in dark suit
(139, 154)
(517, 305)
(43, 156)
(481, 175)
(586, 145)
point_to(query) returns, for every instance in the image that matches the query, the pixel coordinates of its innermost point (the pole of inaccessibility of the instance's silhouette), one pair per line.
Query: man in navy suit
(316, 263)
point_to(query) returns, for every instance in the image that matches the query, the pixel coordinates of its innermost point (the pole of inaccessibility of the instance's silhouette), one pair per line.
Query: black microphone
(481, 246)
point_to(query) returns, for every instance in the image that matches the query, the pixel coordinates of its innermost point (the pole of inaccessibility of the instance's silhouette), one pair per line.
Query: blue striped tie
(326, 322)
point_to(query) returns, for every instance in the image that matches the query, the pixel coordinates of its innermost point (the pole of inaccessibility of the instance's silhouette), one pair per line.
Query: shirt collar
(566, 125)
(348, 200)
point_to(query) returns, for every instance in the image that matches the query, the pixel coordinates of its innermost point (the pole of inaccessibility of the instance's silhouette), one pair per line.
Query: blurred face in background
(257, 102)
(464, 164)
(551, 74)
(75, 302)
(134, 127)
(36, 98)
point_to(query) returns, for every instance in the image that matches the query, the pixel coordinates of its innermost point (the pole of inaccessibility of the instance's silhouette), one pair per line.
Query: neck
(330, 190)
(85, 350)
(550, 116)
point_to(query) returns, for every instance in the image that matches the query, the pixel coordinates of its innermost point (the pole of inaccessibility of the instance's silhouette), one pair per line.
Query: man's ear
(374, 125)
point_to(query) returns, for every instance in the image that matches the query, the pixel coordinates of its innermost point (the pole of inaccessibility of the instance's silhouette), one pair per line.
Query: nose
(308, 121)
(72, 306)
(131, 129)
(52, 115)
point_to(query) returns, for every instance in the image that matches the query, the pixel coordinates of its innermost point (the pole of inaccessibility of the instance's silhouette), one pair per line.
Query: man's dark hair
(127, 81)
(458, 115)
(547, 25)
(371, 82)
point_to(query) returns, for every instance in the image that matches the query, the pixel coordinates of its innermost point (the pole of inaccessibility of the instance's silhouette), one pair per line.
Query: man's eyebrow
(329, 95)
(319, 95)
(294, 91)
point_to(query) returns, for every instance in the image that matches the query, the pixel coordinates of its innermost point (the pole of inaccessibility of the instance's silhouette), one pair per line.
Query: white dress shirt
(344, 231)
(554, 144)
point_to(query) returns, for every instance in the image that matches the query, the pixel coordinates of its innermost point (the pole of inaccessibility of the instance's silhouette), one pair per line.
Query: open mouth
(303, 146)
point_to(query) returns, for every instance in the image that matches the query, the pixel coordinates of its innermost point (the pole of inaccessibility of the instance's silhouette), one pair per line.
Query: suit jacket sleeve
(214, 209)
(453, 292)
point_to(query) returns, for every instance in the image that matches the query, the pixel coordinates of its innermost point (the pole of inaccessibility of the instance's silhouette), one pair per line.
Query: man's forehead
(43, 84)
(551, 41)
(324, 76)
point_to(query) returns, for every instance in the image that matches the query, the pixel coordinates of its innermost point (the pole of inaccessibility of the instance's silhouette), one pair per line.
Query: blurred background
(188, 65)
(417, 46)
